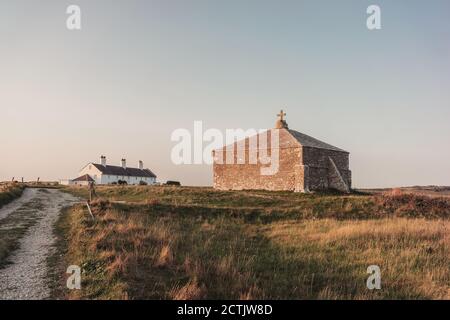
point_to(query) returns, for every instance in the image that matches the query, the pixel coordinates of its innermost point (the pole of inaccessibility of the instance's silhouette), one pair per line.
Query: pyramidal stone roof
(287, 138)
(307, 141)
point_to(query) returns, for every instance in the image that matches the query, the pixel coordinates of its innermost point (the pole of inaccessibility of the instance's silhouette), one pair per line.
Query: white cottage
(107, 174)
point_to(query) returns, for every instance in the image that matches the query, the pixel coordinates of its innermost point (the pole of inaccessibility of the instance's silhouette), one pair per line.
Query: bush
(408, 204)
(143, 183)
(122, 182)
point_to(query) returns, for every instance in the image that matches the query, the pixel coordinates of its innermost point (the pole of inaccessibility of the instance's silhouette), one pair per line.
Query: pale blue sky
(140, 69)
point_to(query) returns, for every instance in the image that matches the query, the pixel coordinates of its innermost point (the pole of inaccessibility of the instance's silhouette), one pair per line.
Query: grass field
(198, 243)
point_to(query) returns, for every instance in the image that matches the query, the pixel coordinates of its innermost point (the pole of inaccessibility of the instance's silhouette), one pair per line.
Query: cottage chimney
(124, 163)
(141, 165)
(103, 161)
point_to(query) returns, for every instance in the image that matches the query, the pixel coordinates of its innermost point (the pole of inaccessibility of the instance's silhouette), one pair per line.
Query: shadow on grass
(164, 251)
(219, 257)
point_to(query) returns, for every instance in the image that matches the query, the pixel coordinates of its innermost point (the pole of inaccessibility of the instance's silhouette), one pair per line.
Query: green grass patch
(14, 227)
(9, 193)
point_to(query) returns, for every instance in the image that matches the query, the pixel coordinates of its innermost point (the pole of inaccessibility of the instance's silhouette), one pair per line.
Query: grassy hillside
(195, 243)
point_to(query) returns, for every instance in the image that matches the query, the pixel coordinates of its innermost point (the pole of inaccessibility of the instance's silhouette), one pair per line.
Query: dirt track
(25, 276)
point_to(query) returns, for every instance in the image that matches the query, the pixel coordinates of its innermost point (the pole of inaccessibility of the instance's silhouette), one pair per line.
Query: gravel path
(25, 277)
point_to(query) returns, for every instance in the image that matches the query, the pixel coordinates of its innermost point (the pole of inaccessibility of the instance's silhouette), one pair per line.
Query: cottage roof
(120, 171)
(85, 177)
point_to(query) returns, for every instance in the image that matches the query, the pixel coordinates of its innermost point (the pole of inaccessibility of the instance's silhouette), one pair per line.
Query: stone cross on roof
(281, 123)
(281, 115)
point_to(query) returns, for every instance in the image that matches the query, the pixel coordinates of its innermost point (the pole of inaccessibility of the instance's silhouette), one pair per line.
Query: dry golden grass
(165, 257)
(190, 291)
(413, 253)
(194, 249)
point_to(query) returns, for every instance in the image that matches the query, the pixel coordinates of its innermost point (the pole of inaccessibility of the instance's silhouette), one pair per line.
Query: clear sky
(140, 69)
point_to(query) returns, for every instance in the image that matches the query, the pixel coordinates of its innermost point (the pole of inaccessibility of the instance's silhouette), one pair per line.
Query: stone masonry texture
(305, 164)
